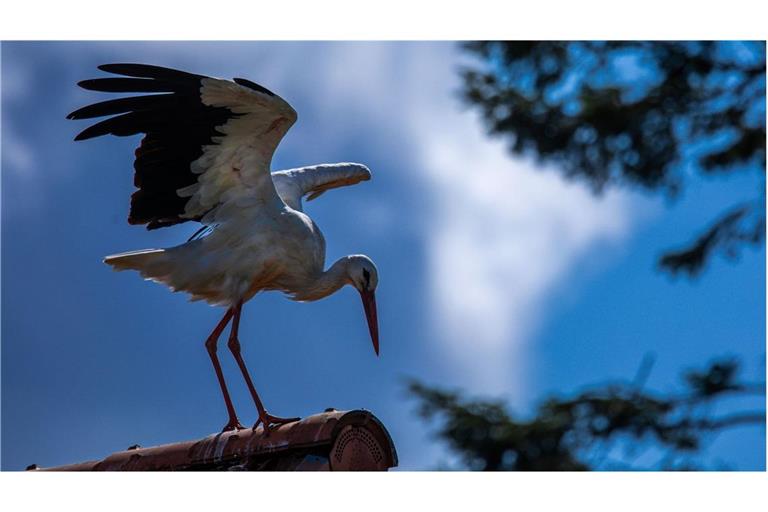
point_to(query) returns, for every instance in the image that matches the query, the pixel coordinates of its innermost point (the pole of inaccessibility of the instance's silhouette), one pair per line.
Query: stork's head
(363, 275)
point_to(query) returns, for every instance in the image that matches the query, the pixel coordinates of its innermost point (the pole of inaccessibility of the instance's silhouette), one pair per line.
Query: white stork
(205, 157)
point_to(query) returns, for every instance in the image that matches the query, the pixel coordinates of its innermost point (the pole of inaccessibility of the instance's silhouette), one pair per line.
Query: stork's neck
(327, 282)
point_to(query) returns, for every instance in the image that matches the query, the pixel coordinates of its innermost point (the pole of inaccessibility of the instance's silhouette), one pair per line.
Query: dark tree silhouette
(646, 114)
(586, 431)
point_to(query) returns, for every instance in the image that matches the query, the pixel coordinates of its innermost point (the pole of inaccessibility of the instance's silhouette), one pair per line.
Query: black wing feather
(252, 85)
(122, 105)
(177, 126)
(118, 125)
(129, 85)
(149, 71)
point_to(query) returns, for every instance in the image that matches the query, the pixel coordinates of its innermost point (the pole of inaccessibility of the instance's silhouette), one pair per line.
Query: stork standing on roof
(205, 157)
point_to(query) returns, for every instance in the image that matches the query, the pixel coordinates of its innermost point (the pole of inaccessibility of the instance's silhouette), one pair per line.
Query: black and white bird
(205, 157)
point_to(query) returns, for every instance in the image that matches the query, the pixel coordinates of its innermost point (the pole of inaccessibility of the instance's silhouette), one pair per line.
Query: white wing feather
(236, 166)
(293, 184)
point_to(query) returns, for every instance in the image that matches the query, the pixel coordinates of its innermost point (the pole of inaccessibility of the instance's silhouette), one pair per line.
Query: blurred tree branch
(578, 433)
(646, 114)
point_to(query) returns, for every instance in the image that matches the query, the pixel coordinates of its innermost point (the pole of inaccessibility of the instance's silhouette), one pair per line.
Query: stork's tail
(151, 263)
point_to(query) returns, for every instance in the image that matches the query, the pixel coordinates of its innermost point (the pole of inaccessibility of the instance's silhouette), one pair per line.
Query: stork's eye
(367, 277)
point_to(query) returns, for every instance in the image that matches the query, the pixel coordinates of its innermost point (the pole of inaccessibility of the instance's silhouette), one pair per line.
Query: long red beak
(369, 305)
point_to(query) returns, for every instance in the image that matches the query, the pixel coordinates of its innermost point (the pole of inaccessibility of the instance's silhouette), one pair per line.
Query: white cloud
(17, 155)
(502, 235)
(505, 234)
(19, 163)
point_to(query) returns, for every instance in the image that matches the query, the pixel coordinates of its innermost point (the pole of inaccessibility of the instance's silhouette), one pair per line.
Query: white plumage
(258, 245)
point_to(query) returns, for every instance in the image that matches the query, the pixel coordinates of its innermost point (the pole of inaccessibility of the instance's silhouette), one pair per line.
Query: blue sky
(496, 277)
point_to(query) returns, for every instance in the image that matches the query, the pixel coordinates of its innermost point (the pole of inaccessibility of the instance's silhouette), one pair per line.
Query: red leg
(210, 344)
(234, 345)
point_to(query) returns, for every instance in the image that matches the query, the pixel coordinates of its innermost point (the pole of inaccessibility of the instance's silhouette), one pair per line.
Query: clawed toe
(269, 421)
(232, 425)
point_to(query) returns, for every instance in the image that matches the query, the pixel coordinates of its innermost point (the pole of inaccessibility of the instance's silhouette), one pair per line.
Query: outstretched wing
(293, 184)
(206, 140)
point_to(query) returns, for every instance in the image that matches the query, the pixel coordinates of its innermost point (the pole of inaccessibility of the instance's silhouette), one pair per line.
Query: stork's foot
(233, 424)
(270, 421)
